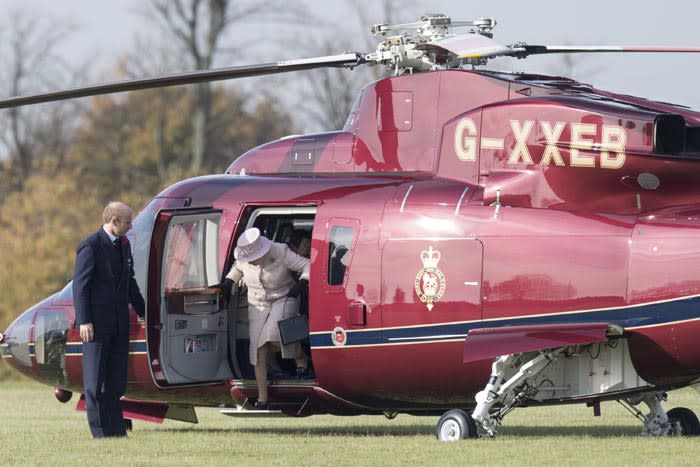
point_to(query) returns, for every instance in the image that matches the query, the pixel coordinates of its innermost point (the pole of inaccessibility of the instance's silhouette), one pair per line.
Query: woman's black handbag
(293, 329)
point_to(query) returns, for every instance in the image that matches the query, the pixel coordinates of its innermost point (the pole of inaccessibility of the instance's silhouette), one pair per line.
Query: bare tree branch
(31, 136)
(199, 27)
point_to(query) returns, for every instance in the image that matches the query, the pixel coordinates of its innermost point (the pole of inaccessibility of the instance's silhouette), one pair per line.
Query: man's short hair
(115, 209)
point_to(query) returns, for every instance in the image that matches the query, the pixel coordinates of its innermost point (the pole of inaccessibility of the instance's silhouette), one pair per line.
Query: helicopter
(481, 241)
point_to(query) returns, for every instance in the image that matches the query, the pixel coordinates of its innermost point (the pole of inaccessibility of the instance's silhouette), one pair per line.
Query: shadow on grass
(325, 430)
(602, 431)
(591, 431)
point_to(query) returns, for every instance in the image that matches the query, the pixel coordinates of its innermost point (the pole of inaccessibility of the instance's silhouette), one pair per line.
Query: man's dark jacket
(104, 285)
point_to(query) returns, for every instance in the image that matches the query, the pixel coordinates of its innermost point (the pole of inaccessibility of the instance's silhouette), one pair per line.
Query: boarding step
(241, 412)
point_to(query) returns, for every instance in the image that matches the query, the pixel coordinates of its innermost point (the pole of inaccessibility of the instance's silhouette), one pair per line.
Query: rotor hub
(416, 46)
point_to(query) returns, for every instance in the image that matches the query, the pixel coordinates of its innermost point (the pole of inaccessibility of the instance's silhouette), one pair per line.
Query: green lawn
(35, 429)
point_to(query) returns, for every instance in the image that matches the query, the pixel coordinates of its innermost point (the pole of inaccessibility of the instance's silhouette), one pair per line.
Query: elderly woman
(266, 268)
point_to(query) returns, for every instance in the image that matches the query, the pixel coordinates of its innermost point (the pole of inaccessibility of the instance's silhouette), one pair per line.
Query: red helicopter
(481, 241)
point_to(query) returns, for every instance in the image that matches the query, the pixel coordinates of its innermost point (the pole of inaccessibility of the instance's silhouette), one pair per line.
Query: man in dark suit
(103, 287)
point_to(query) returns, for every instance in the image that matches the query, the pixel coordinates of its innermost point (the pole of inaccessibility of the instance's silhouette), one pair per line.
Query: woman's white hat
(251, 246)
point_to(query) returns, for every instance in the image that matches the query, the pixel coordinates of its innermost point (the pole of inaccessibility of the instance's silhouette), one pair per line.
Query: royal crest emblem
(430, 281)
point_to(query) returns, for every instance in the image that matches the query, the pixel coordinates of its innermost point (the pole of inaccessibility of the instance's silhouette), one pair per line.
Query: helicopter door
(347, 289)
(193, 337)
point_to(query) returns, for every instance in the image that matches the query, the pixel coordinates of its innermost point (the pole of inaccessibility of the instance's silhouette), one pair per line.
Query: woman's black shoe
(276, 374)
(304, 373)
(260, 405)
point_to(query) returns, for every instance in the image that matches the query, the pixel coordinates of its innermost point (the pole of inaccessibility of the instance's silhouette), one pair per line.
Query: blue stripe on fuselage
(649, 314)
(76, 348)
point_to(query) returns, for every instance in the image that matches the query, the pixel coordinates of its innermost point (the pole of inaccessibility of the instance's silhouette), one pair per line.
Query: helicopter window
(17, 336)
(51, 337)
(140, 235)
(191, 258)
(339, 254)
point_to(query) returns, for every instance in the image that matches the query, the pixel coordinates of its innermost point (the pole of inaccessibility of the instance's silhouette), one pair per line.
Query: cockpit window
(18, 338)
(50, 339)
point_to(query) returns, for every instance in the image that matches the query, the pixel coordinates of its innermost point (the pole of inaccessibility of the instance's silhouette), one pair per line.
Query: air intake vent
(669, 134)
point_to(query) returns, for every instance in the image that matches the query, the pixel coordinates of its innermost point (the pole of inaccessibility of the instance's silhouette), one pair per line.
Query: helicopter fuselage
(451, 202)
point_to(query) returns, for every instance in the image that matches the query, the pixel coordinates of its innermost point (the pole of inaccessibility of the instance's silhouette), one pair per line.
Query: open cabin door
(190, 341)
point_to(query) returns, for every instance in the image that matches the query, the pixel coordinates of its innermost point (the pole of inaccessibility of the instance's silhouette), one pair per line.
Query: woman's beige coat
(268, 286)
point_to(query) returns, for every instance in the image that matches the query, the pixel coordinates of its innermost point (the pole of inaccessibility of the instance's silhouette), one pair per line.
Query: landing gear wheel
(129, 424)
(455, 425)
(690, 426)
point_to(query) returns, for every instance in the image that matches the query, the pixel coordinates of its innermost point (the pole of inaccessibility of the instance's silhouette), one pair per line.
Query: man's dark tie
(118, 246)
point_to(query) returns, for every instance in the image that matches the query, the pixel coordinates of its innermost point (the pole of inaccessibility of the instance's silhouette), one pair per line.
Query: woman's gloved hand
(301, 285)
(226, 286)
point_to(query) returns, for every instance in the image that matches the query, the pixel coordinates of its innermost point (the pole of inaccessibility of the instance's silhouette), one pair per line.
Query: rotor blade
(348, 60)
(522, 50)
(468, 46)
(478, 46)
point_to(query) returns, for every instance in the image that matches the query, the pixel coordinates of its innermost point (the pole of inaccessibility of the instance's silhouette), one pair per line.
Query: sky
(107, 29)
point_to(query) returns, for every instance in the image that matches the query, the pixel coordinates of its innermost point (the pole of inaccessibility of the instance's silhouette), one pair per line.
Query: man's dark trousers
(104, 374)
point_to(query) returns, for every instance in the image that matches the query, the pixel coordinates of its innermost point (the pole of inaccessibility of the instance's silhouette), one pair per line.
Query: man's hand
(86, 332)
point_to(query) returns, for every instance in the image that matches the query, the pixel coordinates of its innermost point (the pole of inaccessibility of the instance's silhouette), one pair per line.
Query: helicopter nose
(15, 343)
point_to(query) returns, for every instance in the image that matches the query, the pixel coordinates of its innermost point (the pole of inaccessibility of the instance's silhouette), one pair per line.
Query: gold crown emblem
(430, 258)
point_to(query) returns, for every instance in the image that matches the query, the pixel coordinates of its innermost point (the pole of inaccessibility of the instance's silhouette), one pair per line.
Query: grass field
(35, 429)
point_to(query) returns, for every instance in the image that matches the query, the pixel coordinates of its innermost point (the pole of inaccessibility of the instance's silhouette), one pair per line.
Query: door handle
(357, 314)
